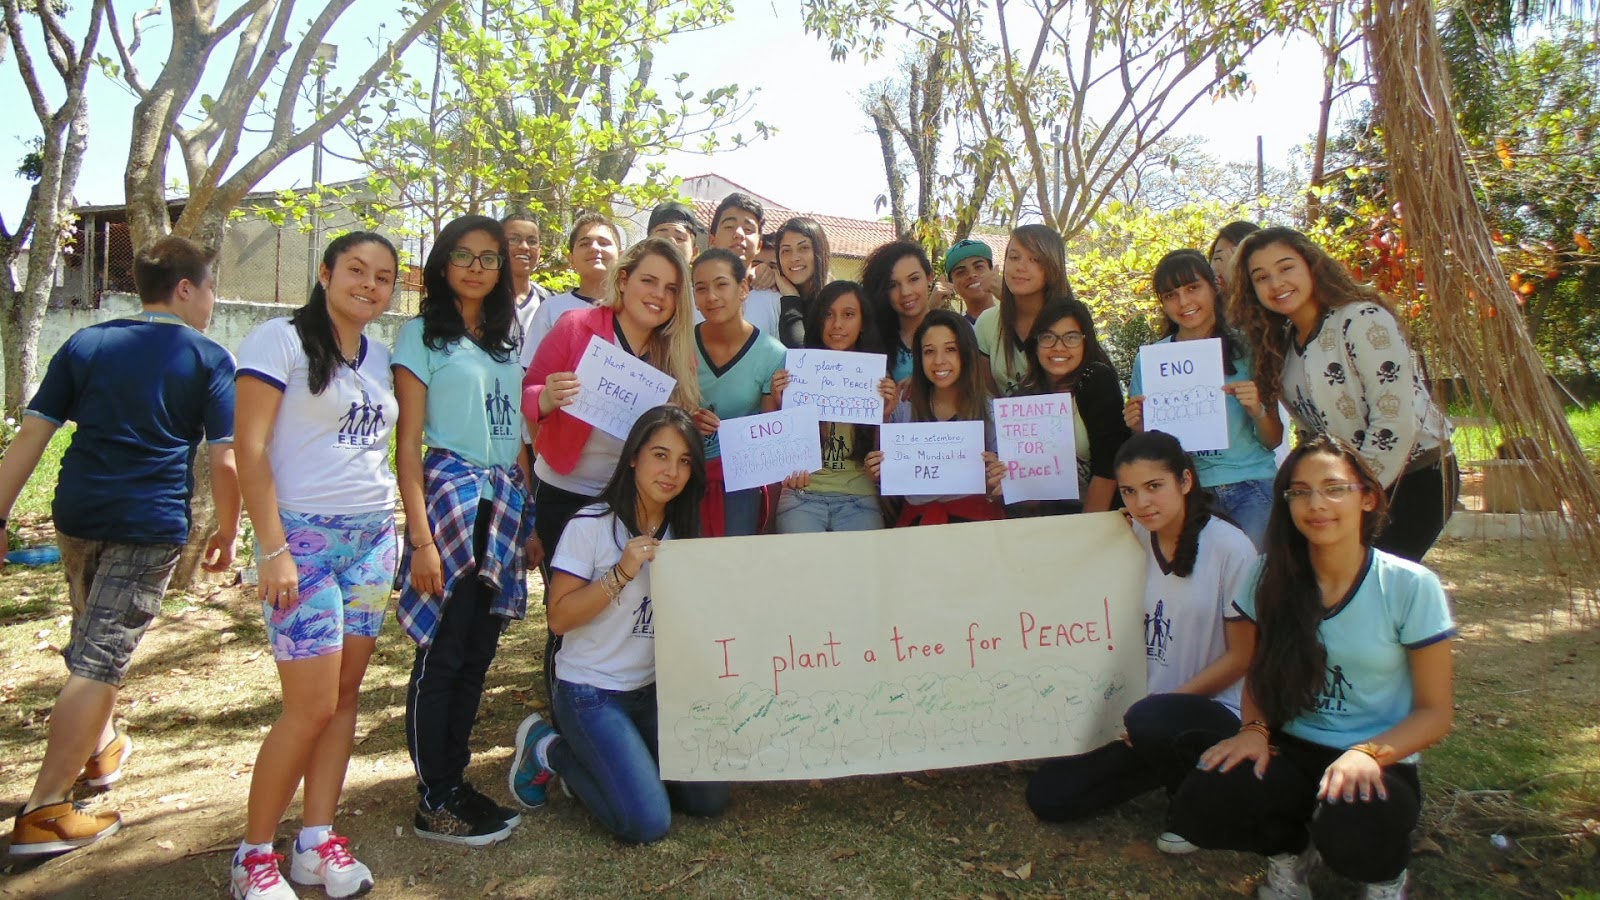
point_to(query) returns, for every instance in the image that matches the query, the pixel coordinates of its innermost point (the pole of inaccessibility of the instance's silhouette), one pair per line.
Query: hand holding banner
(843, 386)
(767, 448)
(615, 388)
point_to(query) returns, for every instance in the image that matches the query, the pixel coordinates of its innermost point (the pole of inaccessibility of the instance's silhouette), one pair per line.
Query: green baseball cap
(964, 250)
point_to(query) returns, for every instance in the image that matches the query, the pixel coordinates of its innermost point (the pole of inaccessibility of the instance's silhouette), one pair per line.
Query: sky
(824, 158)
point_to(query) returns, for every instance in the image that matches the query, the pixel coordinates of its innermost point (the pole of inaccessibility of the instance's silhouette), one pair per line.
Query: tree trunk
(19, 335)
(891, 169)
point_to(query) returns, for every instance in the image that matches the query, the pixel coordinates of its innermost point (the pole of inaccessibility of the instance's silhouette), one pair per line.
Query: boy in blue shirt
(144, 392)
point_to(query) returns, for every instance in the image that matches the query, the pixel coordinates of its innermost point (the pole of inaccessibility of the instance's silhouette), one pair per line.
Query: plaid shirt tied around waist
(452, 487)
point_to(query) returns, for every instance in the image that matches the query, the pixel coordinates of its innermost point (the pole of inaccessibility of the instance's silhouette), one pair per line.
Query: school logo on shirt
(359, 427)
(644, 619)
(1333, 691)
(502, 415)
(835, 448)
(1157, 633)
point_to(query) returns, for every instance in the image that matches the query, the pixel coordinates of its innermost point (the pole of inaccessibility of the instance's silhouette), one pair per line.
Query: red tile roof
(847, 238)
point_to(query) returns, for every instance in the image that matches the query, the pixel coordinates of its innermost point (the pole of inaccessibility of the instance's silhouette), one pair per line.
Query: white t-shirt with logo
(1184, 617)
(329, 452)
(761, 310)
(615, 650)
(550, 311)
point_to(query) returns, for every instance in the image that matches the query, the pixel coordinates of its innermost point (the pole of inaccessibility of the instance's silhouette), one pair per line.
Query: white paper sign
(767, 448)
(1183, 395)
(843, 386)
(933, 458)
(615, 388)
(1036, 443)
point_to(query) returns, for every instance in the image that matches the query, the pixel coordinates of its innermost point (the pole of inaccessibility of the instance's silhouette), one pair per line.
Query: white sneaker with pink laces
(330, 865)
(257, 877)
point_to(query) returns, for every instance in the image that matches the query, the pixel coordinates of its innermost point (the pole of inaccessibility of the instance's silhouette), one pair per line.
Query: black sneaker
(458, 821)
(486, 806)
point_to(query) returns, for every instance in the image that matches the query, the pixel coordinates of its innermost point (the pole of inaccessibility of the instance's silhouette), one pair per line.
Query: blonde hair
(671, 345)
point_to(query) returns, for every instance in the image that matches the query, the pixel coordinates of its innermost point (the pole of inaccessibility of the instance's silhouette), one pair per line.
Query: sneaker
(457, 822)
(528, 780)
(1174, 844)
(59, 827)
(486, 806)
(331, 866)
(258, 878)
(1288, 875)
(1386, 890)
(105, 768)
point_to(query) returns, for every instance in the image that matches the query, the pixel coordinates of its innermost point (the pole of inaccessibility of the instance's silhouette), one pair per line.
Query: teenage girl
(467, 514)
(1065, 356)
(898, 281)
(316, 411)
(1035, 276)
(737, 362)
(949, 384)
(841, 496)
(1239, 475)
(1350, 679)
(1195, 565)
(605, 689)
(1335, 352)
(803, 262)
(1222, 251)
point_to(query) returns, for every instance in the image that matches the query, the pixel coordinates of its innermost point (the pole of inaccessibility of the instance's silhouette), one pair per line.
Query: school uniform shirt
(329, 452)
(1394, 607)
(528, 305)
(841, 473)
(736, 389)
(1355, 379)
(1245, 458)
(1184, 627)
(472, 397)
(615, 650)
(1008, 364)
(543, 319)
(145, 391)
(761, 310)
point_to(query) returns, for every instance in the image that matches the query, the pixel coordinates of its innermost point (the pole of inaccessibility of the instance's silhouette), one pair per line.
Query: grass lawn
(1524, 761)
(1475, 441)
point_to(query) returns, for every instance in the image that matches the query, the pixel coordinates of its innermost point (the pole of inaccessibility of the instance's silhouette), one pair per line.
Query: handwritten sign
(1035, 441)
(928, 458)
(843, 386)
(896, 668)
(615, 388)
(768, 448)
(1183, 395)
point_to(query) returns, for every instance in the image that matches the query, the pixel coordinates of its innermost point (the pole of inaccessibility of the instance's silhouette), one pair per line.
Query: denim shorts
(347, 566)
(115, 591)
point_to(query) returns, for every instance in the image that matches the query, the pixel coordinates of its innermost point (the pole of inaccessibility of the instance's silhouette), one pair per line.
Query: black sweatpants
(1168, 732)
(447, 680)
(1364, 841)
(1420, 503)
(553, 508)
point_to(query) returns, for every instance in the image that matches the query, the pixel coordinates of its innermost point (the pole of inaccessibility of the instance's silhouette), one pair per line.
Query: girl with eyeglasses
(949, 384)
(1195, 565)
(1035, 277)
(802, 270)
(1337, 355)
(1350, 680)
(1239, 475)
(1065, 356)
(468, 515)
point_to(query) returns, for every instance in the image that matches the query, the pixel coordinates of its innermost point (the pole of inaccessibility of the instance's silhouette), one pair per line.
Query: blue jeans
(806, 512)
(1248, 504)
(741, 512)
(607, 754)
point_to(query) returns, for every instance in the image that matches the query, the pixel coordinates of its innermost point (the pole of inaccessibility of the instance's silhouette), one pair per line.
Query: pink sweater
(561, 436)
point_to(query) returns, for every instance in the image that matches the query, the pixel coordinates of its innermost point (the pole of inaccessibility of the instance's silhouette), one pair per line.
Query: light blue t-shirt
(1395, 607)
(1245, 459)
(474, 402)
(736, 389)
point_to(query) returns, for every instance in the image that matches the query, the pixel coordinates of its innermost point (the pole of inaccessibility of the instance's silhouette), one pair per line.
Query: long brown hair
(973, 384)
(671, 346)
(1045, 245)
(1289, 668)
(1267, 331)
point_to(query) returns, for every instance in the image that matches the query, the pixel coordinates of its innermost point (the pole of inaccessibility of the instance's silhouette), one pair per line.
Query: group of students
(1330, 649)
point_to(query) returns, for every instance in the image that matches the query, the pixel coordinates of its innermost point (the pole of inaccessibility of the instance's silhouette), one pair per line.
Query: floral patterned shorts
(346, 568)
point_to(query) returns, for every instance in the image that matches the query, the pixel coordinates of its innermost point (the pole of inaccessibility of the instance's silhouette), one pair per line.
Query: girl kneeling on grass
(316, 411)
(1195, 564)
(605, 671)
(1350, 680)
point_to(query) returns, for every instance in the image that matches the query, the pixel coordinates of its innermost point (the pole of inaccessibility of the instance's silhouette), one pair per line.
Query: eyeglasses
(1070, 339)
(463, 259)
(1333, 493)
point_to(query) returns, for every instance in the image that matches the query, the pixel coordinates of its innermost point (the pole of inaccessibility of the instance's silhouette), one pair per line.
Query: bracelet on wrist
(419, 544)
(275, 554)
(1257, 726)
(1374, 750)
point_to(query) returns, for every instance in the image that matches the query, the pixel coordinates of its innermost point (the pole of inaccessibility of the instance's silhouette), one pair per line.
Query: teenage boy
(736, 226)
(969, 266)
(676, 222)
(592, 248)
(522, 237)
(144, 392)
